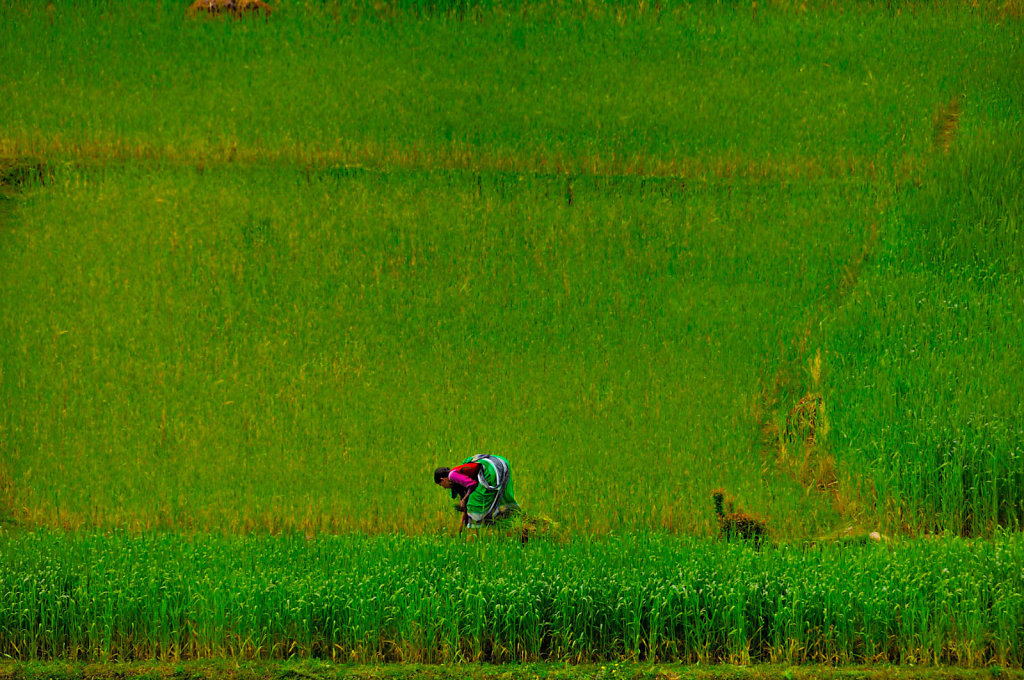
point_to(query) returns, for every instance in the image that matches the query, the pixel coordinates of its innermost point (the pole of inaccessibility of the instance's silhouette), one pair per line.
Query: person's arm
(464, 517)
(464, 476)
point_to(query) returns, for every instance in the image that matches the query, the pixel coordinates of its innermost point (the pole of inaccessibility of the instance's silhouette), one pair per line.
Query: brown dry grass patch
(234, 8)
(946, 124)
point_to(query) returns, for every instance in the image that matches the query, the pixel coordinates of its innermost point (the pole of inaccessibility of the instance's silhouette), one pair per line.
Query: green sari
(494, 497)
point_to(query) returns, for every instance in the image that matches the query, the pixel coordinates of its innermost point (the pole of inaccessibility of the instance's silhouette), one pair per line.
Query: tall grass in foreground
(114, 597)
(277, 349)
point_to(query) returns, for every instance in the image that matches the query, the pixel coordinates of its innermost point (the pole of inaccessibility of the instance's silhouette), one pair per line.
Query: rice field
(259, 278)
(397, 599)
(677, 88)
(246, 344)
(928, 345)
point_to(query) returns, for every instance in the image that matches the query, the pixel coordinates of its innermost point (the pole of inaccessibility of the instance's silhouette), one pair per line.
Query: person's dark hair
(440, 473)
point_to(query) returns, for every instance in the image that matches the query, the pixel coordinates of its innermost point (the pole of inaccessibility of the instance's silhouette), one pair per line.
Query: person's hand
(462, 505)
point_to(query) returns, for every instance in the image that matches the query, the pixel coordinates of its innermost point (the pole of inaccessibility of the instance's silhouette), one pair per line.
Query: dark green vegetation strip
(316, 670)
(105, 598)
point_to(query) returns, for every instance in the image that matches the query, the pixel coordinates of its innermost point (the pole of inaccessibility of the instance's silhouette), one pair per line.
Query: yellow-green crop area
(260, 276)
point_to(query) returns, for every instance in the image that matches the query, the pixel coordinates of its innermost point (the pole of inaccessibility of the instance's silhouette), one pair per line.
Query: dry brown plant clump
(802, 421)
(235, 8)
(732, 524)
(946, 124)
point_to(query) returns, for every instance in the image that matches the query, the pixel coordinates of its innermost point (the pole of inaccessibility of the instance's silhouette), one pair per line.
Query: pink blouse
(462, 480)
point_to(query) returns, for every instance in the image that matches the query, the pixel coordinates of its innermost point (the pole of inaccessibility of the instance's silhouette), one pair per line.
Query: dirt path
(324, 670)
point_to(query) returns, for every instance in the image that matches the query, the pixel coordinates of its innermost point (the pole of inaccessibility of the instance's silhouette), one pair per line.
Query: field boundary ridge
(374, 157)
(324, 670)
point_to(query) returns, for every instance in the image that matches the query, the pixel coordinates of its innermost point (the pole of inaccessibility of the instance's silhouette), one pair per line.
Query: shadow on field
(18, 174)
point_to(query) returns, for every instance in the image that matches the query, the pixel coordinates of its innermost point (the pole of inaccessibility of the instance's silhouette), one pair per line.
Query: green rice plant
(925, 363)
(233, 309)
(225, 350)
(626, 221)
(640, 597)
(695, 87)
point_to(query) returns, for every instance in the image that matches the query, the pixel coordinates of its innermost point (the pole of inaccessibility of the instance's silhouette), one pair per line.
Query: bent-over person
(482, 485)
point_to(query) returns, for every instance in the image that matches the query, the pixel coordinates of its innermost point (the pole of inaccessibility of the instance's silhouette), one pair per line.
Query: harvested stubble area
(258, 278)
